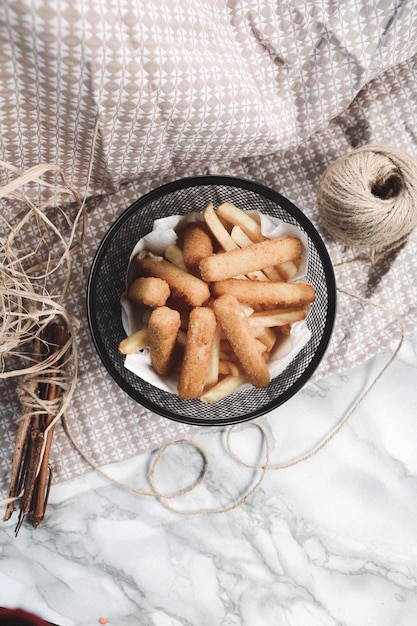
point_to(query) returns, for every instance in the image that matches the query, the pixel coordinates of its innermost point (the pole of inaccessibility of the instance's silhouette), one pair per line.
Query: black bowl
(107, 279)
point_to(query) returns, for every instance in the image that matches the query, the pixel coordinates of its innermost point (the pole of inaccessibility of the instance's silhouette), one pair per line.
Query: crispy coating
(254, 257)
(200, 335)
(259, 292)
(238, 332)
(163, 327)
(197, 245)
(150, 291)
(183, 285)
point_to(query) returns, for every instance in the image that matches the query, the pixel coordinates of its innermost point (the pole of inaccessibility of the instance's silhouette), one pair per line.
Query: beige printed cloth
(270, 91)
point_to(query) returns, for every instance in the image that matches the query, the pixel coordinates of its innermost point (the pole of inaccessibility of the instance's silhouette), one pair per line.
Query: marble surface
(329, 541)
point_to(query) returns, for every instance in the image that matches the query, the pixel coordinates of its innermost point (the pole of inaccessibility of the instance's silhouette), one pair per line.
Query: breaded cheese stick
(260, 292)
(194, 291)
(150, 291)
(163, 327)
(201, 330)
(197, 245)
(250, 259)
(236, 328)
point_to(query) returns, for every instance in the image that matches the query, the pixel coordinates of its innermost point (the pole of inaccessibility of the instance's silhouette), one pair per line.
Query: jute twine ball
(368, 198)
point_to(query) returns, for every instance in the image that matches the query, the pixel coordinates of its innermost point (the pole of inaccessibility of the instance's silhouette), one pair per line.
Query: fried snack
(149, 291)
(238, 217)
(197, 245)
(260, 292)
(217, 229)
(223, 388)
(163, 327)
(236, 328)
(277, 317)
(200, 335)
(255, 257)
(241, 238)
(174, 255)
(289, 269)
(183, 285)
(213, 367)
(134, 342)
(267, 336)
(228, 367)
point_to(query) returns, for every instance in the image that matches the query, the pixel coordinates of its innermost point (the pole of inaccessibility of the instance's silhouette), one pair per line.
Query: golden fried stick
(183, 285)
(259, 292)
(163, 327)
(150, 291)
(254, 257)
(197, 245)
(201, 330)
(236, 328)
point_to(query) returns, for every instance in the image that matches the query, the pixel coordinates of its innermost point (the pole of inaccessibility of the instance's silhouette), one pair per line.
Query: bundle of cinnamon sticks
(31, 473)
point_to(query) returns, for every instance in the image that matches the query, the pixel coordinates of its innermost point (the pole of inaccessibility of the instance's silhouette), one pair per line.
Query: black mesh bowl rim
(188, 411)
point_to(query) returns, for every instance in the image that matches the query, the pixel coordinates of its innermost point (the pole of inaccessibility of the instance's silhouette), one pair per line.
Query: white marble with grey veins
(331, 541)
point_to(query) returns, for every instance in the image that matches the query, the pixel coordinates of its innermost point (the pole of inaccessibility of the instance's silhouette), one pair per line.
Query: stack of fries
(218, 303)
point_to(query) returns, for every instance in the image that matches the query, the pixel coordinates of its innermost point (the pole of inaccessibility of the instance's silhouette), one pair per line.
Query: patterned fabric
(271, 91)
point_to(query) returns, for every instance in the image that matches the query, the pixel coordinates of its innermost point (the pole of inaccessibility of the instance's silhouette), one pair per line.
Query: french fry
(239, 237)
(273, 273)
(266, 335)
(277, 317)
(258, 275)
(174, 255)
(223, 388)
(181, 338)
(217, 229)
(260, 345)
(134, 342)
(228, 367)
(288, 270)
(238, 217)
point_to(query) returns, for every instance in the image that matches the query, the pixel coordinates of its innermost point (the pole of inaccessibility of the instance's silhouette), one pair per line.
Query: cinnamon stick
(58, 338)
(34, 456)
(31, 474)
(21, 445)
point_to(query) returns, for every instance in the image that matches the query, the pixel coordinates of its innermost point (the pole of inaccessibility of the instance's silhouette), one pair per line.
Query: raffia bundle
(42, 224)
